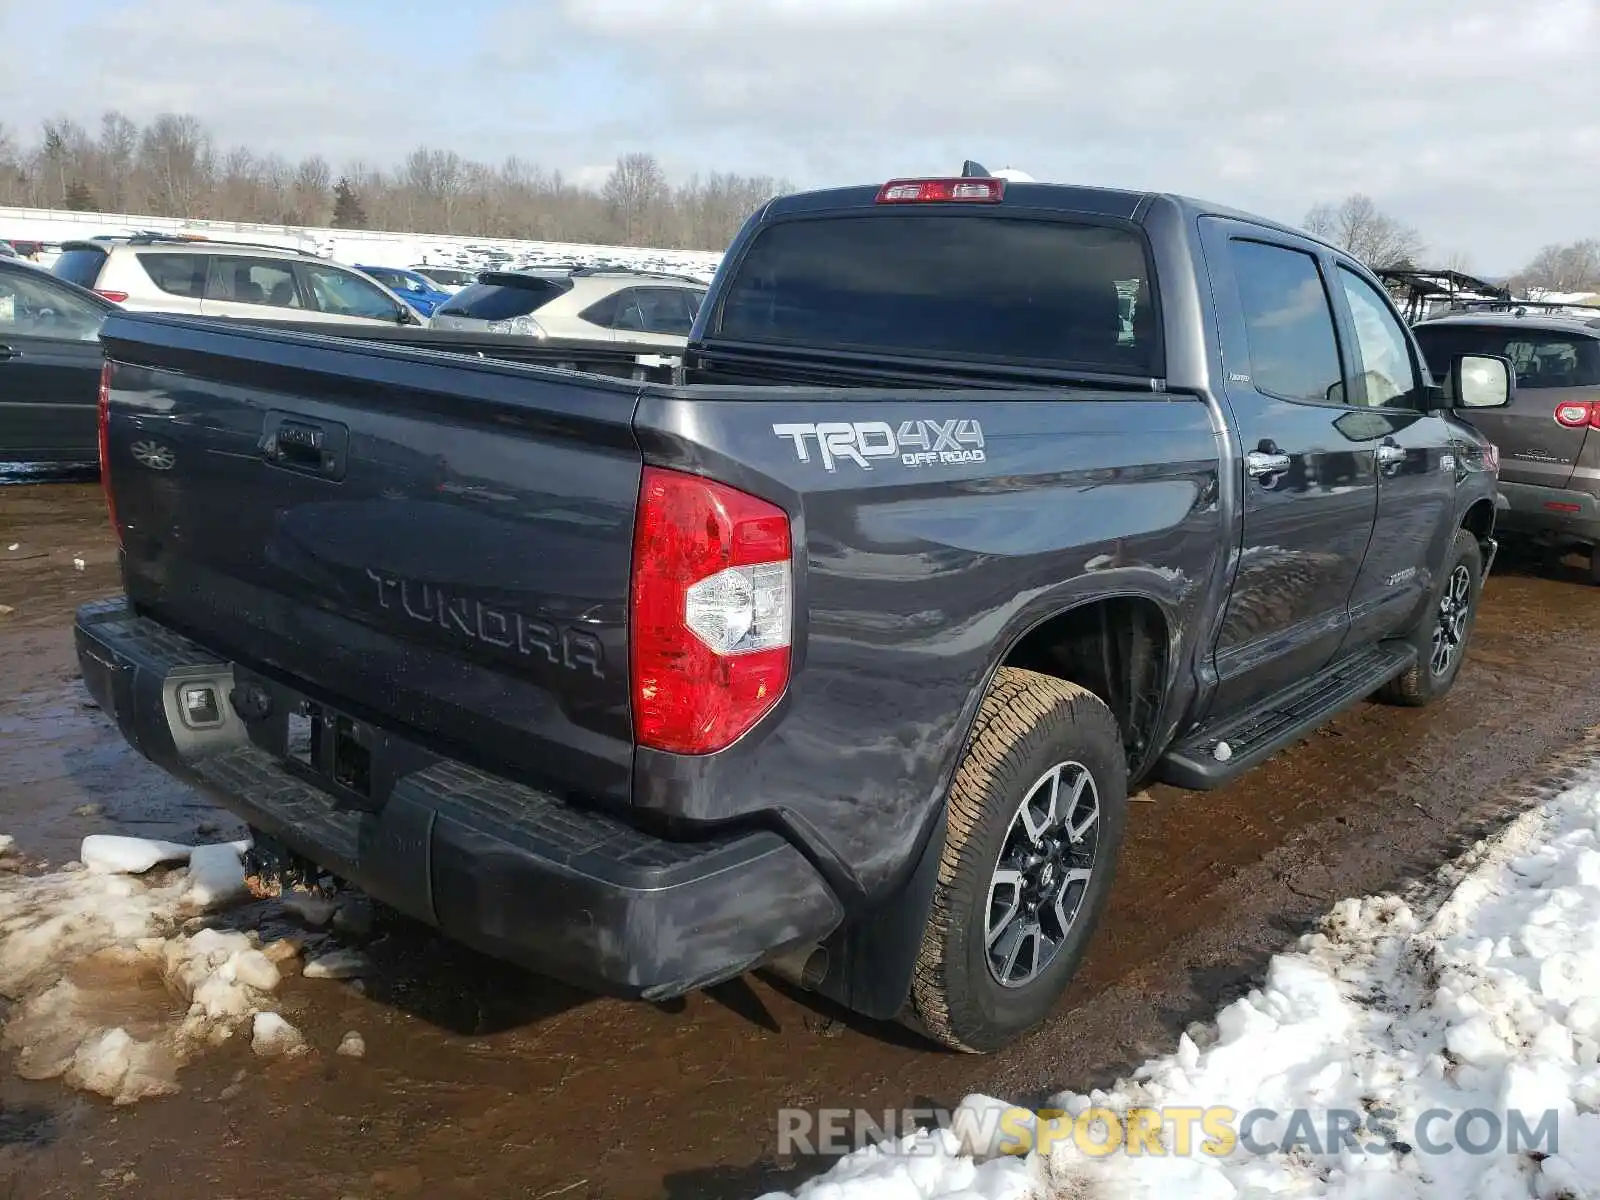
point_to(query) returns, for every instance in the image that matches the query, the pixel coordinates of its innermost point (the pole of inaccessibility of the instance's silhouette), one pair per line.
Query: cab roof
(1115, 203)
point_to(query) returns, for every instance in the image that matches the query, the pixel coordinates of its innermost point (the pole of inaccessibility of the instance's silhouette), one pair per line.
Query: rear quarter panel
(914, 580)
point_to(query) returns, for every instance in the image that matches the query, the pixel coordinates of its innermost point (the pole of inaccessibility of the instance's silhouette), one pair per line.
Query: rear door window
(934, 285)
(263, 281)
(1294, 350)
(177, 274)
(80, 265)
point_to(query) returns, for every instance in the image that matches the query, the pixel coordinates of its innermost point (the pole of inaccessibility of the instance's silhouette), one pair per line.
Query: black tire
(1594, 565)
(1029, 728)
(1423, 683)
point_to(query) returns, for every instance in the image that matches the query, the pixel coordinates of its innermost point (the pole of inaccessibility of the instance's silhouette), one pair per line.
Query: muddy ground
(483, 1081)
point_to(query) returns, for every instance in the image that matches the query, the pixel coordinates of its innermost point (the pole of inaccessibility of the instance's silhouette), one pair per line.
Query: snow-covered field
(1443, 1045)
(361, 246)
(1446, 1047)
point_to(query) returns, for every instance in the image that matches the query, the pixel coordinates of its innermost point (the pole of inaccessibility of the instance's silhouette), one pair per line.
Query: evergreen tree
(347, 210)
(79, 198)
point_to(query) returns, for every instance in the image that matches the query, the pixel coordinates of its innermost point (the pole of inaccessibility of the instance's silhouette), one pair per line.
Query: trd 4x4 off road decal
(915, 443)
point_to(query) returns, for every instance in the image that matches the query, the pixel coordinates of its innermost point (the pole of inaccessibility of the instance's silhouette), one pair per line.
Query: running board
(1217, 754)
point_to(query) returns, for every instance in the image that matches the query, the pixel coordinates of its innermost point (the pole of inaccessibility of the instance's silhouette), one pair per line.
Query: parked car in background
(151, 273)
(7, 250)
(49, 366)
(414, 288)
(1549, 435)
(447, 279)
(584, 303)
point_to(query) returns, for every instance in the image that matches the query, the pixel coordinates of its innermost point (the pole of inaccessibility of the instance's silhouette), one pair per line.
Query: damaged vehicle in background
(976, 503)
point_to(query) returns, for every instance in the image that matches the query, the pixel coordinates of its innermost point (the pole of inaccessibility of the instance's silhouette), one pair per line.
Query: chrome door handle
(1390, 455)
(1258, 465)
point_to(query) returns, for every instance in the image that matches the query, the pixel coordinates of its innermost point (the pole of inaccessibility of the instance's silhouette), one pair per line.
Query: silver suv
(156, 273)
(592, 304)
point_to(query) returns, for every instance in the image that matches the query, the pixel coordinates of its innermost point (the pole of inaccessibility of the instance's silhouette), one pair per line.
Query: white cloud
(1476, 120)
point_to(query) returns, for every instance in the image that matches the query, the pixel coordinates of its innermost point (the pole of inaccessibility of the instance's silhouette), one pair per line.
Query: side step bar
(1215, 755)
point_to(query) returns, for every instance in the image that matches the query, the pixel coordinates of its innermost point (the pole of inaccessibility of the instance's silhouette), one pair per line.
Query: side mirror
(1482, 381)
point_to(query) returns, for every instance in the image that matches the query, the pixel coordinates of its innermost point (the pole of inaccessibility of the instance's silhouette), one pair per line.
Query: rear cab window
(1055, 293)
(80, 265)
(501, 297)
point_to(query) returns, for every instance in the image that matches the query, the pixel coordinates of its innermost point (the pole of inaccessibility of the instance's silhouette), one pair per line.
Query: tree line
(174, 167)
(1360, 228)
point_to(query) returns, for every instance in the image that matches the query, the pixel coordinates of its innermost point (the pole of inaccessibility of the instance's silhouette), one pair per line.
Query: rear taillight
(711, 613)
(1573, 414)
(104, 438)
(942, 191)
(117, 297)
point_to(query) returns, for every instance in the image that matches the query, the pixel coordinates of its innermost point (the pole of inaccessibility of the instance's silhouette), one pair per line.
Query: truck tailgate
(426, 541)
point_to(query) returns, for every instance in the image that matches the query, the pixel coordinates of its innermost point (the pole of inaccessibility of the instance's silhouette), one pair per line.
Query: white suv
(591, 304)
(152, 273)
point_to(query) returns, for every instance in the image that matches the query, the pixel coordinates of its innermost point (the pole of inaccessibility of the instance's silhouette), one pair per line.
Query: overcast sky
(1478, 121)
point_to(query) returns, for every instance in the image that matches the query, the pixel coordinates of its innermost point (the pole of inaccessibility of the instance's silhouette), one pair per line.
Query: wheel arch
(1478, 520)
(872, 960)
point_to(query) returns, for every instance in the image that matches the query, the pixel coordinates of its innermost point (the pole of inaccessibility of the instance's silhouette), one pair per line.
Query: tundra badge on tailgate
(916, 443)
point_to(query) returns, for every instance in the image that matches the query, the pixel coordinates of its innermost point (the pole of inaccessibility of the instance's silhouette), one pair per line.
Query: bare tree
(310, 191)
(1360, 229)
(175, 153)
(1569, 268)
(119, 141)
(634, 192)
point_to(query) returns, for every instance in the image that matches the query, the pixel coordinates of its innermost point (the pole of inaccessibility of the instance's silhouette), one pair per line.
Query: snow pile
(1397, 1052)
(76, 946)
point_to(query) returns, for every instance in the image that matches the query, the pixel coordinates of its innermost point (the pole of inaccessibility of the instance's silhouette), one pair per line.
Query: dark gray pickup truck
(974, 504)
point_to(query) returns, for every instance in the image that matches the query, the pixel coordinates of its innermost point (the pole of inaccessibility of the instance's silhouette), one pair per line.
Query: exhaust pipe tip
(805, 966)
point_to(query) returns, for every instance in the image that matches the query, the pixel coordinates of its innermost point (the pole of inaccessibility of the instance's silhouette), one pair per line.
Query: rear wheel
(1441, 638)
(1594, 566)
(1035, 824)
